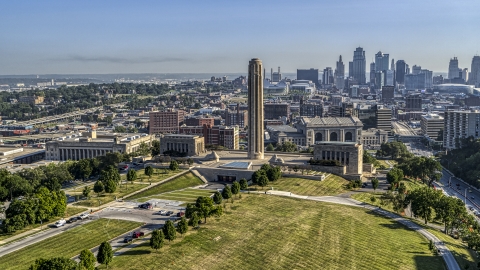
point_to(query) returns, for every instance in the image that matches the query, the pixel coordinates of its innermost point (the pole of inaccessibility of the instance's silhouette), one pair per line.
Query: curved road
(443, 250)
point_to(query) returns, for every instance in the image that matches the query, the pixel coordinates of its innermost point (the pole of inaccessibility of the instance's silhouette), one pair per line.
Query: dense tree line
(464, 162)
(394, 150)
(266, 174)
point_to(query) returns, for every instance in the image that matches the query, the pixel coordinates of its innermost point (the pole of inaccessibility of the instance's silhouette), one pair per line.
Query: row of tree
(266, 174)
(464, 161)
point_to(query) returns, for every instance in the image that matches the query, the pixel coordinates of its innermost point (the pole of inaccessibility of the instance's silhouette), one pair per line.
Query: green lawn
(332, 185)
(69, 243)
(104, 198)
(271, 232)
(70, 211)
(462, 254)
(158, 175)
(183, 181)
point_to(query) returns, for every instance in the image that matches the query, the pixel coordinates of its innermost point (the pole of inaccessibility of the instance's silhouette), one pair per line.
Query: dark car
(127, 239)
(138, 234)
(180, 214)
(146, 206)
(72, 219)
(169, 213)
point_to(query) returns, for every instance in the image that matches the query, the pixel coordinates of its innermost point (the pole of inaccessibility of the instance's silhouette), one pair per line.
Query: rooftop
(237, 165)
(331, 121)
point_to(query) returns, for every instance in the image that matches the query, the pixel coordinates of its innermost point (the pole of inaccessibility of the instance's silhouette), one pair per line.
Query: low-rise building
(91, 145)
(341, 129)
(349, 154)
(227, 137)
(189, 145)
(374, 137)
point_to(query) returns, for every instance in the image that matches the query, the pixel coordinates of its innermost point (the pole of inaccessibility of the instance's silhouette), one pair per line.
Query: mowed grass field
(188, 195)
(158, 175)
(69, 243)
(183, 181)
(104, 198)
(332, 185)
(270, 232)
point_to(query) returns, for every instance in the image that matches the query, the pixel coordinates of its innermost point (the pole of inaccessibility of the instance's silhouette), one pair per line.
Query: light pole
(465, 196)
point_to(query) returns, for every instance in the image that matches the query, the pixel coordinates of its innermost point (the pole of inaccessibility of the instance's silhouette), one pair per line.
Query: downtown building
(308, 75)
(224, 136)
(276, 110)
(431, 124)
(474, 78)
(236, 118)
(358, 65)
(165, 121)
(460, 125)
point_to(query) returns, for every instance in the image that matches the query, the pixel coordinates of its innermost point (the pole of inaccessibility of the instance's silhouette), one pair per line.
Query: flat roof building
(431, 124)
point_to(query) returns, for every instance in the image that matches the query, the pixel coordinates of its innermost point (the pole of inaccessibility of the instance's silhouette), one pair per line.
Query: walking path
(443, 250)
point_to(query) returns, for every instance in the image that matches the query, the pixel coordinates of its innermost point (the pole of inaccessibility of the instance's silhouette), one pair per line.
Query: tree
(193, 221)
(169, 231)
(287, 147)
(422, 202)
(155, 149)
(132, 175)
(173, 165)
(274, 173)
(256, 175)
(243, 184)
(87, 260)
(86, 191)
(110, 186)
(98, 187)
(149, 171)
(157, 240)
(144, 149)
(204, 207)
(226, 192)
(263, 180)
(57, 263)
(270, 147)
(235, 188)
(120, 129)
(217, 197)
(394, 176)
(375, 184)
(83, 169)
(105, 253)
(182, 226)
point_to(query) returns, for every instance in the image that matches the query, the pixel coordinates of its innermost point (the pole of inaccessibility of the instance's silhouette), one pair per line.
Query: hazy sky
(42, 37)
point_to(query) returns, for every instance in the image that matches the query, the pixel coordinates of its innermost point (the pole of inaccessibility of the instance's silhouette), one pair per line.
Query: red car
(180, 214)
(137, 234)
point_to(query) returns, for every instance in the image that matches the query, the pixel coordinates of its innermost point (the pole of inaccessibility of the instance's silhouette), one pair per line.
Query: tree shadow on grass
(137, 252)
(428, 262)
(393, 225)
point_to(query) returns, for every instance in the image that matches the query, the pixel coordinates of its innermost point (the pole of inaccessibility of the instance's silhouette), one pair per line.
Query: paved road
(443, 250)
(37, 237)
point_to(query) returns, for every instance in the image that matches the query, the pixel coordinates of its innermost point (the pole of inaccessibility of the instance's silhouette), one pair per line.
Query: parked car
(180, 214)
(138, 234)
(72, 219)
(84, 216)
(169, 213)
(145, 206)
(162, 212)
(59, 223)
(127, 239)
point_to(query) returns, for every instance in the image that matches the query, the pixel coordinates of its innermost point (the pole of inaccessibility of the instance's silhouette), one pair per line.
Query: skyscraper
(474, 77)
(255, 109)
(340, 74)
(327, 77)
(381, 61)
(359, 65)
(372, 72)
(400, 70)
(453, 70)
(308, 74)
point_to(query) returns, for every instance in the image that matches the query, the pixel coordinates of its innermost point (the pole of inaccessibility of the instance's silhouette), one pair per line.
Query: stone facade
(192, 145)
(349, 154)
(374, 137)
(255, 109)
(92, 145)
(340, 129)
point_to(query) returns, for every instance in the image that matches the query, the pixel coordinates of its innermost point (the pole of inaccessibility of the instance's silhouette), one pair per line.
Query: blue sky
(44, 37)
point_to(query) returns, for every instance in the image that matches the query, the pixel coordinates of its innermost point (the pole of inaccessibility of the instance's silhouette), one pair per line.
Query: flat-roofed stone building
(349, 154)
(91, 144)
(330, 129)
(191, 145)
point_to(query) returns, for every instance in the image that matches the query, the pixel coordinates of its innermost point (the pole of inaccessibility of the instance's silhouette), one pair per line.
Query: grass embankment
(70, 211)
(104, 198)
(183, 181)
(158, 175)
(188, 195)
(69, 243)
(332, 185)
(462, 254)
(271, 232)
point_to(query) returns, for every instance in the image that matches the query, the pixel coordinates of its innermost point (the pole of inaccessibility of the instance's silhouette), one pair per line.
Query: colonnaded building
(330, 129)
(92, 144)
(190, 145)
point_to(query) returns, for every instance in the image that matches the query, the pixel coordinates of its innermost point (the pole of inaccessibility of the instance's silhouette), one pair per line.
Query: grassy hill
(269, 232)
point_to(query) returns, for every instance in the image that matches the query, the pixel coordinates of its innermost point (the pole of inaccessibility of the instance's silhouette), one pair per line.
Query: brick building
(166, 121)
(215, 135)
(276, 110)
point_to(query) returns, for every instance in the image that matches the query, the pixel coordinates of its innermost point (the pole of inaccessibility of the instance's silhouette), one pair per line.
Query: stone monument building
(255, 109)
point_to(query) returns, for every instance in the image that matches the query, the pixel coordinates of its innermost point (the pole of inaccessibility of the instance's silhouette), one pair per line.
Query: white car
(162, 212)
(84, 215)
(60, 223)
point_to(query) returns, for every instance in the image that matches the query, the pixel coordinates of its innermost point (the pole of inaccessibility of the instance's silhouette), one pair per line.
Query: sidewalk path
(443, 250)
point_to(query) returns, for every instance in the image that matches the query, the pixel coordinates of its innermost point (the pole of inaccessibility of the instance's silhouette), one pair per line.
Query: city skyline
(188, 37)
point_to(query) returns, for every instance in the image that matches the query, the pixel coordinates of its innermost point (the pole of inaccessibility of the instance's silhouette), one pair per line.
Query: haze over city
(92, 37)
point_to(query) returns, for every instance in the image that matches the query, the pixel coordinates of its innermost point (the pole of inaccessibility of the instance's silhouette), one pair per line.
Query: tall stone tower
(255, 109)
